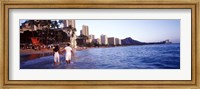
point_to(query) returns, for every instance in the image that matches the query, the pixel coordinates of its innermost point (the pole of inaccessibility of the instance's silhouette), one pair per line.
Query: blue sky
(141, 30)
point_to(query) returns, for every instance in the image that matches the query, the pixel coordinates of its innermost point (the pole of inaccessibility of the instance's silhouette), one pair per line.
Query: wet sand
(31, 51)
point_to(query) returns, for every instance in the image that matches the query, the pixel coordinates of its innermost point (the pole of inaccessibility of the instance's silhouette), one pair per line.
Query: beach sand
(31, 51)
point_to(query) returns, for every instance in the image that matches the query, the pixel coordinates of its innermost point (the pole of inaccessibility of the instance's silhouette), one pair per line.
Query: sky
(141, 30)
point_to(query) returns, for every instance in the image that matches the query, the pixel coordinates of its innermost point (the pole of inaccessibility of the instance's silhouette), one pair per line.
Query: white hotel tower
(104, 39)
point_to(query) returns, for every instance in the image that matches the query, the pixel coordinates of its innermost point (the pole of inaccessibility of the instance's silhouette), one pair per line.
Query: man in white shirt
(68, 55)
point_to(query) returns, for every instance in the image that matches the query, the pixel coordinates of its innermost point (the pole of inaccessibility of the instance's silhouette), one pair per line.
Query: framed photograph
(100, 44)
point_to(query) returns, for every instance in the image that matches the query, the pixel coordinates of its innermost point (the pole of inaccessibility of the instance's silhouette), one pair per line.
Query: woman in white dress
(56, 55)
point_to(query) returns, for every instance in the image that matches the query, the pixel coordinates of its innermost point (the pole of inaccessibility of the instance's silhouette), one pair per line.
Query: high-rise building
(85, 30)
(104, 39)
(111, 41)
(97, 41)
(118, 41)
(71, 22)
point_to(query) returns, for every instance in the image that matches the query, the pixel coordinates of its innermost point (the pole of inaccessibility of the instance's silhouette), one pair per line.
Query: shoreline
(32, 51)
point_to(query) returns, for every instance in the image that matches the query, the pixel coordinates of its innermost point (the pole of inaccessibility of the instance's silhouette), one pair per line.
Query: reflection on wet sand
(33, 56)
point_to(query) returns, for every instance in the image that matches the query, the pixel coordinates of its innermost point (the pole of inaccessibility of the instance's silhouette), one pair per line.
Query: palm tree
(72, 30)
(71, 34)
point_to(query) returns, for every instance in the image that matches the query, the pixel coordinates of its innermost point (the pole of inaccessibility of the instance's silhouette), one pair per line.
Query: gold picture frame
(97, 84)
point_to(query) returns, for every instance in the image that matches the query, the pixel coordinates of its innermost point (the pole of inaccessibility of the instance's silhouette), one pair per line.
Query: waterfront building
(111, 41)
(118, 41)
(97, 41)
(104, 39)
(85, 30)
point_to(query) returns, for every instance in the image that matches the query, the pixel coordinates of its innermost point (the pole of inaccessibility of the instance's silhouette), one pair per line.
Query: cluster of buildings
(103, 40)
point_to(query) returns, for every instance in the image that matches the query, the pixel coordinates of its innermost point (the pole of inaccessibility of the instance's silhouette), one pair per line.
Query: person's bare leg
(58, 59)
(70, 58)
(54, 59)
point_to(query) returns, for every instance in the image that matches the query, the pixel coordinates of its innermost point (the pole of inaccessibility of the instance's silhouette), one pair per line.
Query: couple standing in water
(68, 54)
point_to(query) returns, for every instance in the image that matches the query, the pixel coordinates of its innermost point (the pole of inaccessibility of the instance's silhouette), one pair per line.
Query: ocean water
(159, 56)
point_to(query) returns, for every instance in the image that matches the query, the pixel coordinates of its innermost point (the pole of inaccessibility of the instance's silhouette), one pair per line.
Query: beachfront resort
(44, 34)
